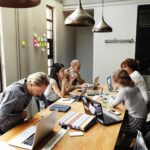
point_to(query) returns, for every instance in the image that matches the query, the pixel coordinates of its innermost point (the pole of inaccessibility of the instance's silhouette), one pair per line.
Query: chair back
(140, 143)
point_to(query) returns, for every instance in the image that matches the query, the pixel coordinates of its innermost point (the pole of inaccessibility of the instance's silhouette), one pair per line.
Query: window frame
(50, 50)
(1, 80)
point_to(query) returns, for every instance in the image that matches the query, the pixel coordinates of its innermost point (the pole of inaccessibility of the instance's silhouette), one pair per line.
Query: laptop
(29, 138)
(110, 85)
(95, 83)
(92, 87)
(78, 97)
(103, 116)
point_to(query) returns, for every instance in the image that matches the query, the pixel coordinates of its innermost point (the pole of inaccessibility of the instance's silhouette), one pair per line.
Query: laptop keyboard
(29, 140)
(108, 119)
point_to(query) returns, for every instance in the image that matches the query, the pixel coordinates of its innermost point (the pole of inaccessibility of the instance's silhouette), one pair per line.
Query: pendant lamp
(79, 18)
(19, 3)
(102, 26)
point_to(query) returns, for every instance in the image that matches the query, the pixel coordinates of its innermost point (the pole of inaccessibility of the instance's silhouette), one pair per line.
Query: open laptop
(103, 116)
(29, 138)
(110, 84)
(95, 83)
(78, 97)
(91, 89)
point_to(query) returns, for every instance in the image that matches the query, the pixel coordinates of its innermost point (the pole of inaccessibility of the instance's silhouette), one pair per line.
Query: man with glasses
(15, 98)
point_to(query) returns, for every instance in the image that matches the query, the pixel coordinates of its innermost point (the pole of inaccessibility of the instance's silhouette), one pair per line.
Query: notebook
(30, 137)
(76, 120)
(60, 108)
(110, 84)
(95, 108)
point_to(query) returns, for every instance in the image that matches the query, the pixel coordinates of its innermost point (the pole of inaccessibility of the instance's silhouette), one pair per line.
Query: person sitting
(59, 85)
(15, 98)
(72, 73)
(131, 66)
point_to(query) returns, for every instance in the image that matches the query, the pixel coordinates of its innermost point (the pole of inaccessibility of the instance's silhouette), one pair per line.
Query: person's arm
(80, 80)
(119, 98)
(59, 92)
(69, 85)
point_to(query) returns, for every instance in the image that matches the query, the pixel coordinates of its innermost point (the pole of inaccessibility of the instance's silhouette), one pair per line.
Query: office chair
(140, 143)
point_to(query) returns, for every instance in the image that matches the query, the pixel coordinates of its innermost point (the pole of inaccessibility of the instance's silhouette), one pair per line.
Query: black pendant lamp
(19, 3)
(79, 18)
(102, 26)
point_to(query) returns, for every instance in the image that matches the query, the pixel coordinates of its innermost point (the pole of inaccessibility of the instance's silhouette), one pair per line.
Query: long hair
(55, 68)
(123, 78)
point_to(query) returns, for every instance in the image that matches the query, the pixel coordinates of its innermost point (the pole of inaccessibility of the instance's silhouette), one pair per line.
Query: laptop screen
(109, 83)
(95, 82)
(91, 107)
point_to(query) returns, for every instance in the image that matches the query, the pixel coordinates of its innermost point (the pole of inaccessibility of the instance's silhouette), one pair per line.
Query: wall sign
(118, 41)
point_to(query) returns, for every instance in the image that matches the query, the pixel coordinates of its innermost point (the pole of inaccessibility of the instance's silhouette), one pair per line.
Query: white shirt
(140, 83)
(133, 100)
(49, 92)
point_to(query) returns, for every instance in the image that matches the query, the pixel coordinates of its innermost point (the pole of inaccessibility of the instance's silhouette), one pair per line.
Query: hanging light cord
(102, 7)
(80, 3)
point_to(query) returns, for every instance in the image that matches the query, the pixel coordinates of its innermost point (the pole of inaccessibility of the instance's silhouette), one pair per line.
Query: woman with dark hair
(131, 66)
(59, 86)
(133, 100)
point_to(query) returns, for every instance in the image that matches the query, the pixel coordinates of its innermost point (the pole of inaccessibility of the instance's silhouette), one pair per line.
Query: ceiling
(73, 2)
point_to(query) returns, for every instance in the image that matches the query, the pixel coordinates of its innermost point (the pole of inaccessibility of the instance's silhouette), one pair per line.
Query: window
(1, 77)
(49, 21)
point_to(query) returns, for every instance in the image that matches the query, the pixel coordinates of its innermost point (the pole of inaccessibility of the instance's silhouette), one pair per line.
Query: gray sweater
(133, 100)
(13, 101)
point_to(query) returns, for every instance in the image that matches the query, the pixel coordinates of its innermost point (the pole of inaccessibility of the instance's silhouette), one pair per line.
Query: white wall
(8, 46)
(107, 57)
(19, 61)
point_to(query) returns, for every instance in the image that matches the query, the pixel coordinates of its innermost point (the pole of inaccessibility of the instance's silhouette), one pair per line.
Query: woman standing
(131, 66)
(133, 100)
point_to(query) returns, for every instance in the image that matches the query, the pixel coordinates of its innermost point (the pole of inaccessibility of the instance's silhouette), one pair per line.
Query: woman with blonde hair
(72, 73)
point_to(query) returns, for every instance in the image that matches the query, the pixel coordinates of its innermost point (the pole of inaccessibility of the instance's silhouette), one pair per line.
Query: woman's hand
(84, 85)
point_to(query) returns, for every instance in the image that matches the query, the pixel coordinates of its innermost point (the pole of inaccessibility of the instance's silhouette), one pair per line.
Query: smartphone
(114, 112)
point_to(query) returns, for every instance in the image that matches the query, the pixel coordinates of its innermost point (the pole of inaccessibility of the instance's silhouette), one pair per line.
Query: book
(76, 120)
(60, 108)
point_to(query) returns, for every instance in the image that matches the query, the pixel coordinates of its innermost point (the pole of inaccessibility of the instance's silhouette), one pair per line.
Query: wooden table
(98, 137)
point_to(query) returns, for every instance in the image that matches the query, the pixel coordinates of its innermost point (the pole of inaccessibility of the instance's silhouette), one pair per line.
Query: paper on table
(5, 146)
(95, 97)
(66, 100)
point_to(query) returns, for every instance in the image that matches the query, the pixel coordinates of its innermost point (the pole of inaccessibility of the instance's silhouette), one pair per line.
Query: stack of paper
(5, 146)
(66, 100)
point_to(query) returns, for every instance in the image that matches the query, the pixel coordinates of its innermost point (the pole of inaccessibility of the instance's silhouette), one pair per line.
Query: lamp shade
(79, 18)
(102, 27)
(19, 3)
